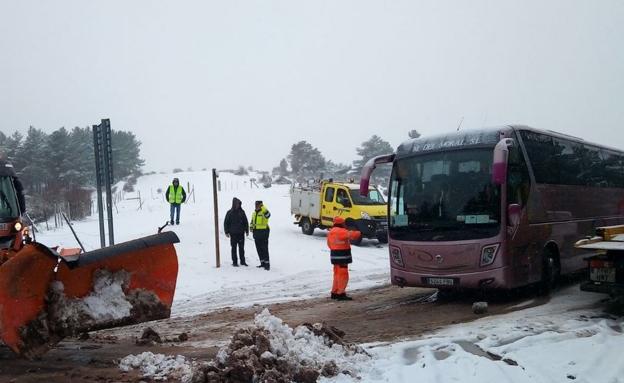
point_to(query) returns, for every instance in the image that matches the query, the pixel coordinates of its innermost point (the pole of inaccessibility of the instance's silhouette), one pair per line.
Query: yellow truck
(316, 206)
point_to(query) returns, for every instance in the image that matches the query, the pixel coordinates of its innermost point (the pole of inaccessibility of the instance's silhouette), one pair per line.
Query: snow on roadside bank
(300, 266)
(565, 340)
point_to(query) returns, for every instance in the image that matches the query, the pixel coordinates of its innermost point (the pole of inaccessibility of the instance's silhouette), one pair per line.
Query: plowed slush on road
(383, 314)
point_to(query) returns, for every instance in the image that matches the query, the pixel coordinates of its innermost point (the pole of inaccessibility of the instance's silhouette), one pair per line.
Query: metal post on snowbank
(216, 215)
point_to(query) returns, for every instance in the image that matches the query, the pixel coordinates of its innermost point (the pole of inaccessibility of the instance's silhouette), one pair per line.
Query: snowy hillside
(300, 265)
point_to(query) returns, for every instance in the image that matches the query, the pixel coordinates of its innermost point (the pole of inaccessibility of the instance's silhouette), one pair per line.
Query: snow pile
(106, 303)
(159, 366)
(272, 352)
(303, 346)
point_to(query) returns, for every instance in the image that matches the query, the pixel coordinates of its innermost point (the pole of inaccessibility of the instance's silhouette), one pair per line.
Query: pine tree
(126, 155)
(33, 160)
(81, 157)
(58, 166)
(373, 147)
(283, 167)
(305, 159)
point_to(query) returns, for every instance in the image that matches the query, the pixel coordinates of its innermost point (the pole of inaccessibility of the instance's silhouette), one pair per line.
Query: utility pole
(216, 215)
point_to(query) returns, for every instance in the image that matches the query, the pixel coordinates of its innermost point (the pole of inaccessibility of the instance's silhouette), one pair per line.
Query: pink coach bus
(496, 208)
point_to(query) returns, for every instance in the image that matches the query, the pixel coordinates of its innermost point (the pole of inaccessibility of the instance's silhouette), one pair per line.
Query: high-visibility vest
(175, 194)
(339, 242)
(260, 219)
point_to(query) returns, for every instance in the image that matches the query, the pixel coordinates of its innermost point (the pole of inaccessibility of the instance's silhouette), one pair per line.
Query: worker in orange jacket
(339, 242)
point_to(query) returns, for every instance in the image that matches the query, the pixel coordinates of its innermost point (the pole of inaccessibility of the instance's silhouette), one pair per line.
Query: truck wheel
(550, 272)
(306, 226)
(357, 242)
(382, 238)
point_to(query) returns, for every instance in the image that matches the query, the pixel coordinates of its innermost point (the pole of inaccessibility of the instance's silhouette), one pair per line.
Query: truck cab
(317, 209)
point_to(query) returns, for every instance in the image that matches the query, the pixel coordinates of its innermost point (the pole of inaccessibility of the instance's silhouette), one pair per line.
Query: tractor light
(18, 226)
(395, 255)
(365, 215)
(488, 254)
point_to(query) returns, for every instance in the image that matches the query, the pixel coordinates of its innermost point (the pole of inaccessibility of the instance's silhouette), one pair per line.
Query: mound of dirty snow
(271, 352)
(159, 366)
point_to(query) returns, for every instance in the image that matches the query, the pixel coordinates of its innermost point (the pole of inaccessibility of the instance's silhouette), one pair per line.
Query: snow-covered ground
(566, 340)
(300, 266)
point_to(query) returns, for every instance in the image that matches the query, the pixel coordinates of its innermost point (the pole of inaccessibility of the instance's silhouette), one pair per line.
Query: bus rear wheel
(307, 227)
(550, 272)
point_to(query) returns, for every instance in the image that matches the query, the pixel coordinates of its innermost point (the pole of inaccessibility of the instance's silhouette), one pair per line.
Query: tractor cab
(11, 207)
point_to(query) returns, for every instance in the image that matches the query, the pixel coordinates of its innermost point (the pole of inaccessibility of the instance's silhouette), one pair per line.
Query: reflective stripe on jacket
(260, 219)
(339, 242)
(175, 194)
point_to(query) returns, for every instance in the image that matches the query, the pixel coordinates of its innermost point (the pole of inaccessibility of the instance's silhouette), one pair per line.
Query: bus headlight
(365, 215)
(18, 226)
(488, 254)
(395, 255)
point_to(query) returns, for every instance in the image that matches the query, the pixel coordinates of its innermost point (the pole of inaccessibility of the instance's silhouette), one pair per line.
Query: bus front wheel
(550, 271)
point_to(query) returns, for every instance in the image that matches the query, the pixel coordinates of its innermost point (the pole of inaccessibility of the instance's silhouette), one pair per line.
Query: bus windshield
(374, 197)
(8, 200)
(444, 196)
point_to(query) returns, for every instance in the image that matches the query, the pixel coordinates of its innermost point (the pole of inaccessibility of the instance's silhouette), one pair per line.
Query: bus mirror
(513, 214)
(368, 168)
(499, 163)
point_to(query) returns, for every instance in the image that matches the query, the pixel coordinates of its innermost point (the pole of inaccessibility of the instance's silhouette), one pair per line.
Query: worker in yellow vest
(259, 225)
(176, 196)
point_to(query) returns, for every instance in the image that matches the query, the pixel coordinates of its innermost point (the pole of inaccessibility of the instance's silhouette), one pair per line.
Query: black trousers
(261, 238)
(238, 240)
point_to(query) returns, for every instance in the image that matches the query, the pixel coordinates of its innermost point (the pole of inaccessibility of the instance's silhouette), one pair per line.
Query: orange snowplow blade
(44, 298)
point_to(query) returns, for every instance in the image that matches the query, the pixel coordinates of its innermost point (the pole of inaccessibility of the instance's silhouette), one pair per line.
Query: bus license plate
(602, 274)
(441, 281)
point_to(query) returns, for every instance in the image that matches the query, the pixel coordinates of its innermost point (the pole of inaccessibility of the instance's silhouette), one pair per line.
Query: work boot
(244, 264)
(267, 267)
(171, 222)
(177, 222)
(260, 266)
(235, 264)
(344, 297)
(334, 296)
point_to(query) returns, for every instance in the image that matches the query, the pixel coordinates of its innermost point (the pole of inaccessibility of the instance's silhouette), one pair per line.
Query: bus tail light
(488, 254)
(395, 255)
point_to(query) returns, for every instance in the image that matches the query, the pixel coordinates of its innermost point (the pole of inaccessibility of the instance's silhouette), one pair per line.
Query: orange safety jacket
(339, 244)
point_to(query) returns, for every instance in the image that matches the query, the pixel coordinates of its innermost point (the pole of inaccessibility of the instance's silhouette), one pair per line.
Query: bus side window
(518, 181)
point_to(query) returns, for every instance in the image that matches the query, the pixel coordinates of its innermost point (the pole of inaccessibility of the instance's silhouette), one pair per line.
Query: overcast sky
(216, 84)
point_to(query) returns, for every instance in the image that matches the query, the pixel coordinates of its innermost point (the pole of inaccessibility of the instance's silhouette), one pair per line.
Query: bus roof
(450, 140)
(476, 137)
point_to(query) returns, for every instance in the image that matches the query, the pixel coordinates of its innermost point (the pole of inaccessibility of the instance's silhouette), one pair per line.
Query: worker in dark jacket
(339, 241)
(260, 227)
(176, 196)
(236, 226)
